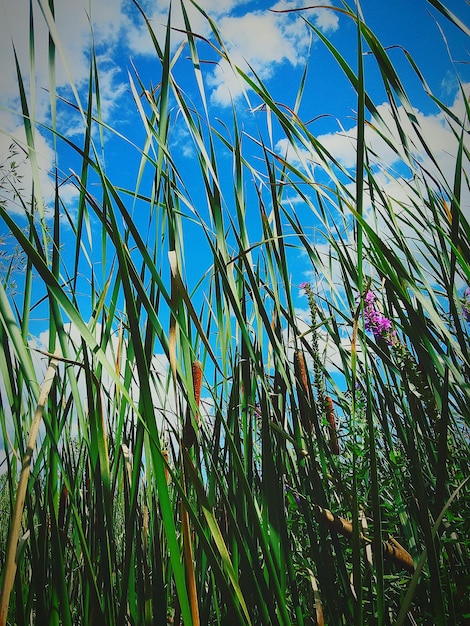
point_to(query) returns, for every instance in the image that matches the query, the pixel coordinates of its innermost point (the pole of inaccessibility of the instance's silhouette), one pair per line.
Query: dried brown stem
(10, 561)
(391, 551)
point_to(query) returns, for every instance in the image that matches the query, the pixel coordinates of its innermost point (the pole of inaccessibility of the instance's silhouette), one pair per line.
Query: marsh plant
(212, 437)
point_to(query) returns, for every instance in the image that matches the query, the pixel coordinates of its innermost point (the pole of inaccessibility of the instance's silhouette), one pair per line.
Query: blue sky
(275, 44)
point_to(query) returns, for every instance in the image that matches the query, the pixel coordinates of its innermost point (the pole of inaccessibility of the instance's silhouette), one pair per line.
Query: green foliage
(260, 511)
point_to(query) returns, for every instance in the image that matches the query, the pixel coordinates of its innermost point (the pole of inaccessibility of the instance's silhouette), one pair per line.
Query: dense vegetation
(190, 448)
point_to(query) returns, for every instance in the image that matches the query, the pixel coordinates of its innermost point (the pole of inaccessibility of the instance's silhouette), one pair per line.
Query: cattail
(330, 416)
(392, 551)
(167, 473)
(303, 389)
(334, 522)
(301, 371)
(447, 212)
(145, 527)
(396, 553)
(189, 434)
(197, 381)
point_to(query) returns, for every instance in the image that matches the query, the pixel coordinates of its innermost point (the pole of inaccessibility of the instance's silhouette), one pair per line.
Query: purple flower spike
(376, 322)
(466, 304)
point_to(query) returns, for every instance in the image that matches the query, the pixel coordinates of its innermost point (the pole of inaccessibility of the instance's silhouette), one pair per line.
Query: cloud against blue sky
(255, 34)
(260, 37)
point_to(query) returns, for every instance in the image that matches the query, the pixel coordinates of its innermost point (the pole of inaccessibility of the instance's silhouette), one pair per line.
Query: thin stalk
(10, 566)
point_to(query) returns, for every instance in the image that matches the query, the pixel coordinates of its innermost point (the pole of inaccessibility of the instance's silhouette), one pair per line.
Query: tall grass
(282, 491)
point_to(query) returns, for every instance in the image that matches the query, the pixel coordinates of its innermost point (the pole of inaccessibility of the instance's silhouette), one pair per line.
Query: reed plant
(181, 449)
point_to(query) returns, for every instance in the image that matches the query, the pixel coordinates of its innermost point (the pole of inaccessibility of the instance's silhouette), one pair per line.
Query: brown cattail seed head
(330, 416)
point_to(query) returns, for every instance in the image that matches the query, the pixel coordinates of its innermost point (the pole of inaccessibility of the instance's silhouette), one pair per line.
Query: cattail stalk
(391, 550)
(330, 416)
(197, 381)
(189, 434)
(303, 389)
(167, 473)
(188, 552)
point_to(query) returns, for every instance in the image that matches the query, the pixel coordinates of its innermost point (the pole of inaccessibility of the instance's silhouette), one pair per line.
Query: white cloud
(23, 183)
(136, 31)
(394, 182)
(321, 15)
(390, 163)
(434, 128)
(74, 25)
(263, 40)
(297, 156)
(260, 38)
(325, 19)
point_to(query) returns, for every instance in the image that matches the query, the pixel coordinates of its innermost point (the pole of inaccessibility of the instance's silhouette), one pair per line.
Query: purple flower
(466, 304)
(304, 285)
(257, 409)
(376, 322)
